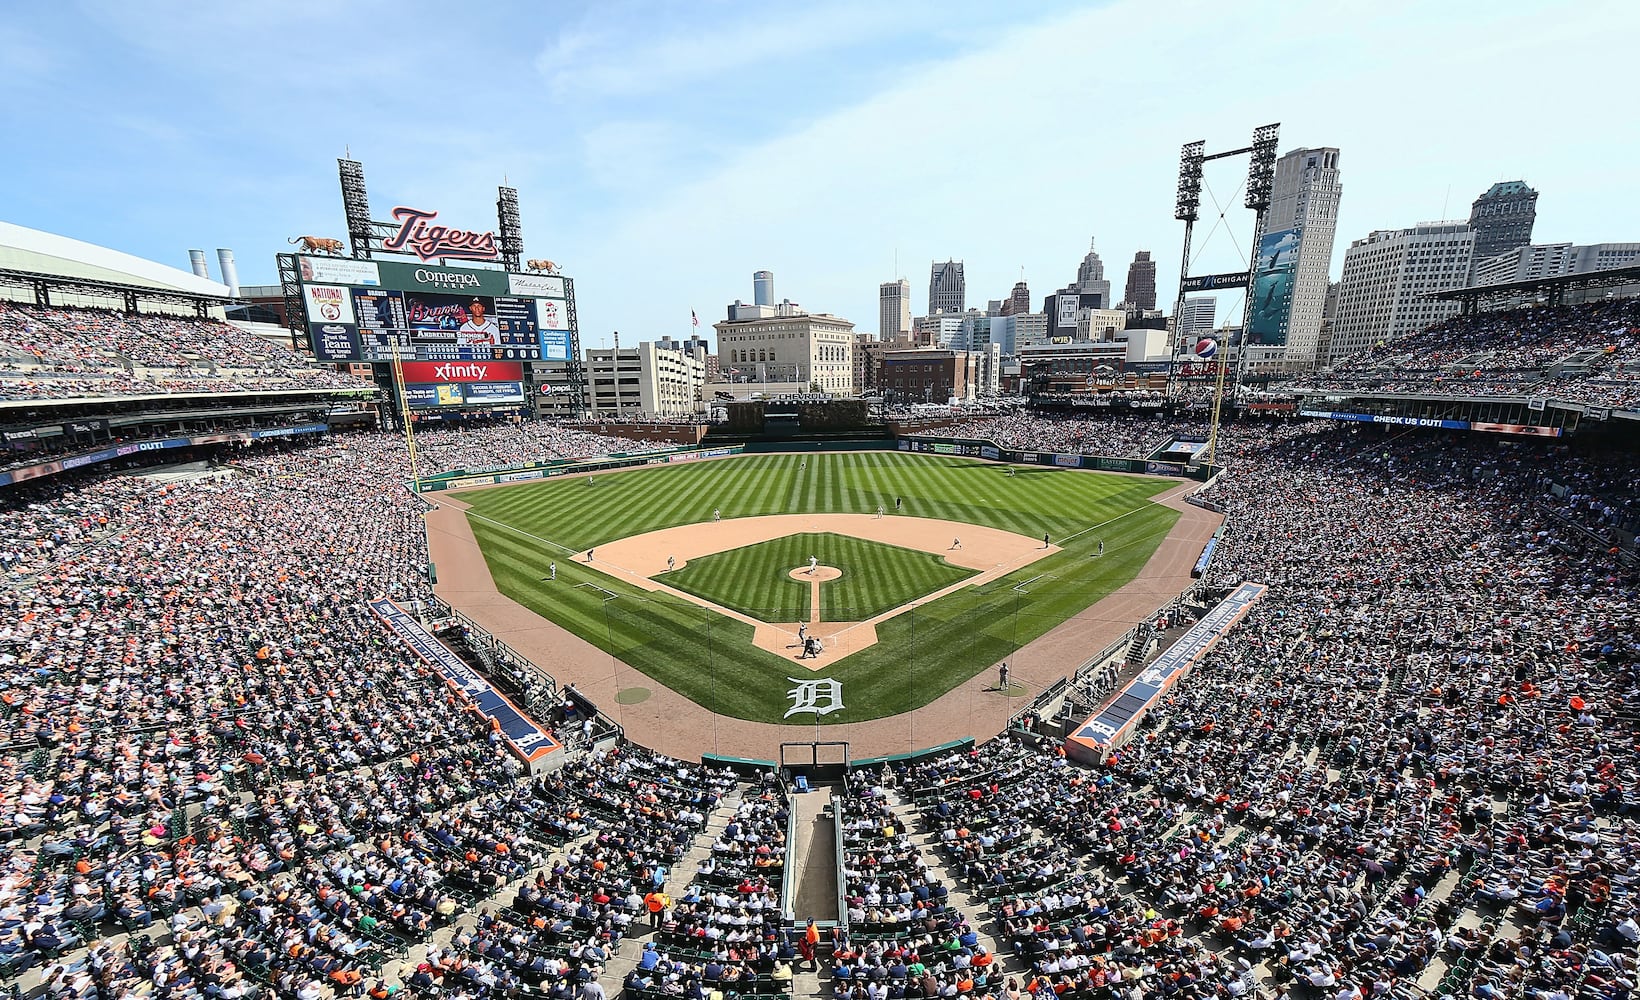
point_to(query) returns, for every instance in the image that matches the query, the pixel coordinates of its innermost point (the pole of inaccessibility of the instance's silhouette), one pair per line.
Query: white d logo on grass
(821, 697)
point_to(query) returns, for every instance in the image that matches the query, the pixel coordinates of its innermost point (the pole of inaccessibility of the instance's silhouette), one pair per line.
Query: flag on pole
(693, 319)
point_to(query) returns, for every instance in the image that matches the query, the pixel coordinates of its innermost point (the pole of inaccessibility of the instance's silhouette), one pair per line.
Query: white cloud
(629, 55)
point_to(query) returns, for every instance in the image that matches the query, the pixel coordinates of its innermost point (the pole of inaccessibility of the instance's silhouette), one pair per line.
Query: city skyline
(652, 162)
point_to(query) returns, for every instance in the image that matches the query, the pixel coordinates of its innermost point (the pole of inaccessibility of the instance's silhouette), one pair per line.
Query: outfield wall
(527, 471)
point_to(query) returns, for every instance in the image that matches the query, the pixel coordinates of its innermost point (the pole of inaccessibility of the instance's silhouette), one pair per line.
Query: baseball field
(915, 572)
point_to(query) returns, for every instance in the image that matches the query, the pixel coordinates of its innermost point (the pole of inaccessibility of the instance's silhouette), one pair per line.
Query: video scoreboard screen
(368, 311)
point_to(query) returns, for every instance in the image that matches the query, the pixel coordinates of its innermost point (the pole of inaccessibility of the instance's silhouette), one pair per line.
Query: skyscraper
(1141, 282)
(1090, 278)
(894, 310)
(1388, 279)
(1018, 302)
(1304, 200)
(1502, 218)
(947, 291)
(763, 288)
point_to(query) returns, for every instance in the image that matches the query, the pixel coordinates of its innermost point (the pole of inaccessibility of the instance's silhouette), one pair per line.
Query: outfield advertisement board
(371, 310)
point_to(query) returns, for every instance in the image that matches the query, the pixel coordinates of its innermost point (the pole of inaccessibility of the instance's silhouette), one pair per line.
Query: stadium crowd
(1412, 769)
(1115, 436)
(1588, 353)
(1416, 758)
(70, 353)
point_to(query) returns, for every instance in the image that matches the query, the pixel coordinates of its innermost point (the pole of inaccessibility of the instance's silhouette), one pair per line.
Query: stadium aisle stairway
(961, 898)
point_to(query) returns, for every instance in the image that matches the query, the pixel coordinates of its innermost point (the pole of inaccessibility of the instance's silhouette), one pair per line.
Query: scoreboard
(372, 311)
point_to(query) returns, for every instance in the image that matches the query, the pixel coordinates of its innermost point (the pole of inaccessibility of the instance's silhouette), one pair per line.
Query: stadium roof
(1553, 285)
(30, 251)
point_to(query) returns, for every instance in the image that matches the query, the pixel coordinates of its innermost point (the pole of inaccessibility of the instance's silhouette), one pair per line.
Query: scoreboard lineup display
(367, 311)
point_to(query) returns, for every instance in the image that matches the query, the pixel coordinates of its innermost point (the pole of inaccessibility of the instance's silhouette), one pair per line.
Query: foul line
(527, 534)
(1157, 501)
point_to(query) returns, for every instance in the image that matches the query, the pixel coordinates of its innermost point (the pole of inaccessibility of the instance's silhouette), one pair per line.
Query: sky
(663, 152)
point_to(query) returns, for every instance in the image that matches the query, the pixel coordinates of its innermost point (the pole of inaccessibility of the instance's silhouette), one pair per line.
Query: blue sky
(663, 152)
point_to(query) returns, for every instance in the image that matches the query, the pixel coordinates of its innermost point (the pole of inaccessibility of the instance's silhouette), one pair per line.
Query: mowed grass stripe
(919, 655)
(756, 579)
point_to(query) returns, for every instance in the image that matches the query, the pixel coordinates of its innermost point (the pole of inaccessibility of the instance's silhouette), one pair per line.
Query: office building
(791, 351)
(1197, 315)
(644, 380)
(1010, 333)
(937, 331)
(1535, 260)
(1100, 324)
(1090, 280)
(1604, 256)
(763, 288)
(947, 290)
(1304, 199)
(894, 310)
(930, 375)
(1502, 219)
(1387, 282)
(1140, 292)
(1019, 300)
(1549, 260)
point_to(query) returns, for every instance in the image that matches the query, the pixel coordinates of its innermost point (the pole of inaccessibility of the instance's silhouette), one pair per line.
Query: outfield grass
(919, 655)
(756, 579)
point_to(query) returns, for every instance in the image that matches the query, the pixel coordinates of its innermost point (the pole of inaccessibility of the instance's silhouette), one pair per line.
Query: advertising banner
(1273, 288)
(338, 271)
(492, 393)
(1111, 725)
(328, 304)
(989, 451)
(554, 345)
(1379, 418)
(1531, 430)
(552, 314)
(549, 285)
(435, 395)
(421, 396)
(1231, 280)
(463, 371)
(1066, 306)
(1068, 461)
(524, 736)
(1164, 468)
(433, 278)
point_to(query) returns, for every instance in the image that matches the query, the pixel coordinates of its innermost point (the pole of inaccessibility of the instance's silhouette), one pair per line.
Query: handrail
(788, 877)
(837, 861)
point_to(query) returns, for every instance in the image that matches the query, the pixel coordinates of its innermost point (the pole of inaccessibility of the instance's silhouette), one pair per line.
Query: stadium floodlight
(1261, 166)
(1187, 202)
(510, 232)
(356, 207)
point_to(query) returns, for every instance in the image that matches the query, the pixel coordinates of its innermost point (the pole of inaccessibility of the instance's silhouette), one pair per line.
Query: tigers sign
(418, 236)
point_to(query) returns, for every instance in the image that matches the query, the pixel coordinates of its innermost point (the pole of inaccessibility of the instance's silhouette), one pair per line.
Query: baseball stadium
(347, 649)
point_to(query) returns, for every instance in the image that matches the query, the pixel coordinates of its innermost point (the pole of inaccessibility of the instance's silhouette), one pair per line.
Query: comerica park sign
(418, 236)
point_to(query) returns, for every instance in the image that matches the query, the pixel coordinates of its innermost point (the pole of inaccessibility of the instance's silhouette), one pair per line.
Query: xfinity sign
(449, 372)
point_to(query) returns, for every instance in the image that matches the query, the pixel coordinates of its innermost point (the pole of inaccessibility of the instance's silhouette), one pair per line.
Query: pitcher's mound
(820, 575)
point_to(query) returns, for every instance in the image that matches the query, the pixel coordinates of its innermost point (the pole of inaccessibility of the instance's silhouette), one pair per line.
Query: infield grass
(919, 655)
(756, 579)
